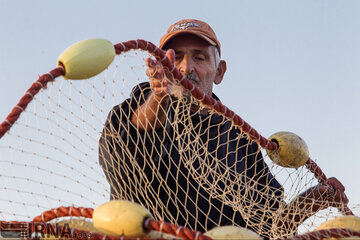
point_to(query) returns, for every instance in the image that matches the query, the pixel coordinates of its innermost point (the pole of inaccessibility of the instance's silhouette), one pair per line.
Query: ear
(220, 72)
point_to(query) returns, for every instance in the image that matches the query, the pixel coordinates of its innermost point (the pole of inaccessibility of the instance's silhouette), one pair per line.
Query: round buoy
(121, 218)
(232, 232)
(292, 150)
(349, 222)
(87, 58)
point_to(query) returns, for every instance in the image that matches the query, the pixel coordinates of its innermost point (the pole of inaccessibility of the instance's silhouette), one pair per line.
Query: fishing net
(202, 166)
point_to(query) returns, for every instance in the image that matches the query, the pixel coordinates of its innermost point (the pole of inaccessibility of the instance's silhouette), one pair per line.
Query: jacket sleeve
(121, 143)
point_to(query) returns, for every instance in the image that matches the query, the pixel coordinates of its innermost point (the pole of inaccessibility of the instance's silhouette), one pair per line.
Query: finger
(170, 54)
(336, 184)
(148, 72)
(150, 62)
(155, 69)
(155, 72)
(345, 199)
(338, 199)
(157, 83)
(161, 90)
(341, 197)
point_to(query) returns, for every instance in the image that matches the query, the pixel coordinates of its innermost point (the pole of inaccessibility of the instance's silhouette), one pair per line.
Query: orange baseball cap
(191, 26)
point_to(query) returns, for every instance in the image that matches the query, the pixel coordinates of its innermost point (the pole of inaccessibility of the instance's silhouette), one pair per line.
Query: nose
(186, 65)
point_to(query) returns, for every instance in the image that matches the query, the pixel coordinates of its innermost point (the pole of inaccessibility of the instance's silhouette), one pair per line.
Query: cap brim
(176, 34)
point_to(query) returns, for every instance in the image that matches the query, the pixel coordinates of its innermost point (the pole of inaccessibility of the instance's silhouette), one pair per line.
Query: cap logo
(184, 25)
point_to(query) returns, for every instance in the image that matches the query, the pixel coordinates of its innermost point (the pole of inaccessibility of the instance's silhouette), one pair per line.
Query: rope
(35, 226)
(39, 224)
(186, 83)
(174, 230)
(219, 107)
(28, 97)
(321, 177)
(64, 212)
(196, 92)
(216, 105)
(72, 233)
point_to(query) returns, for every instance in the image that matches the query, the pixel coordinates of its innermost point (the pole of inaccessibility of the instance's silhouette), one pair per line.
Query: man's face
(195, 58)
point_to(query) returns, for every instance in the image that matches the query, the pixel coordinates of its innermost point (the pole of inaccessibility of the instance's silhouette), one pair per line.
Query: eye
(200, 57)
(178, 57)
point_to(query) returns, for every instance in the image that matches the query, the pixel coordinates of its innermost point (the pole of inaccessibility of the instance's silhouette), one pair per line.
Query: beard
(185, 96)
(180, 92)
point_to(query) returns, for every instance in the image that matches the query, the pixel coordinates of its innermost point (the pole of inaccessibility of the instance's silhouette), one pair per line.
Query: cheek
(207, 77)
(207, 84)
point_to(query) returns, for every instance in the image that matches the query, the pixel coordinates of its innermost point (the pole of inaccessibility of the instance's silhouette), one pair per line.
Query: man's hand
(333, 193)
(152, 114)
(313, 200)
(160, 78)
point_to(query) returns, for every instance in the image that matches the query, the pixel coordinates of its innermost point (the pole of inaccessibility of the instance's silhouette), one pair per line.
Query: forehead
(188, 42)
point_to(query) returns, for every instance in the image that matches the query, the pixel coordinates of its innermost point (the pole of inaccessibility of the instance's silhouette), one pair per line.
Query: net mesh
(78, 144)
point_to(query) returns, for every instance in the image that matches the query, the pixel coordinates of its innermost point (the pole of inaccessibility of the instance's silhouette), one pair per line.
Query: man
(189, 166)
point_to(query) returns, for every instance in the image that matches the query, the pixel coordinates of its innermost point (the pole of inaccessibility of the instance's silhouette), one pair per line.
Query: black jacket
(198, 171)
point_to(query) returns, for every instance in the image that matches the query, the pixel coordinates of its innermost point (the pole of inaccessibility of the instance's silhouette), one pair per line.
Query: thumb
(170, 54)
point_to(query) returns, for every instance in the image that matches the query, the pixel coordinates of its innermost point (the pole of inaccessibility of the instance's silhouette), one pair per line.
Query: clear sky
(292, 65)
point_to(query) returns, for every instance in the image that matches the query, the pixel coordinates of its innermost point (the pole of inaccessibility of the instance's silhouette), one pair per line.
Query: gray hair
(217, 56)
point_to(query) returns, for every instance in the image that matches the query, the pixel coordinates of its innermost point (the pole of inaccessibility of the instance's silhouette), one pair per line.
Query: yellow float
(121, 218)
(349, 222)
(232, 232)
(87, 58)
(292, 150)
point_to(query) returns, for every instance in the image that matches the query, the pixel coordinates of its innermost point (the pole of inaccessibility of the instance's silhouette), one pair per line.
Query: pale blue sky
(292, 65)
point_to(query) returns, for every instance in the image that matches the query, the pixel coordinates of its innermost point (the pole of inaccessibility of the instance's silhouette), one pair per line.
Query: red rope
(316, 170)
(216, 105)
(196, 93)
(321, 177)
(28, 97)
(39, 224)
(173, 230)
(29, 228)
(149, 224)
(64, 212)
(157, 226)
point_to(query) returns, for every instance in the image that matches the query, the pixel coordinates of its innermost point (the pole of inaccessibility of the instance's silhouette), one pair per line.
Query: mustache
(193, 77)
